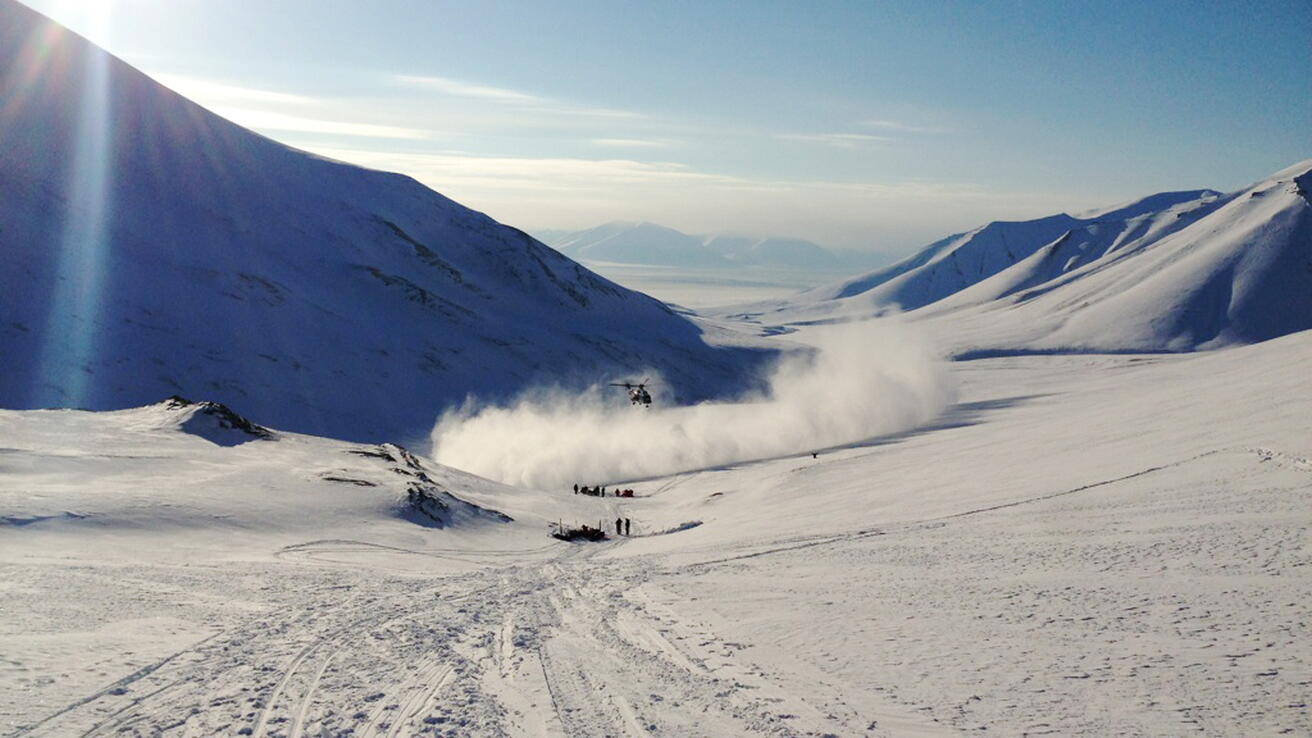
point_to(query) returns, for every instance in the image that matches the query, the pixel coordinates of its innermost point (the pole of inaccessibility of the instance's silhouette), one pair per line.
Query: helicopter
(638, 394)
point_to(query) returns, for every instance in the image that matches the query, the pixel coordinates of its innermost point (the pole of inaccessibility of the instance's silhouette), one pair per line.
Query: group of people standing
(622, 525)
(601, 491)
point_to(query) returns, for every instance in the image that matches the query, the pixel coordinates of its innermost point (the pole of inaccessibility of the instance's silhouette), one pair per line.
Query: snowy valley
(1080, 545)
(1040, 478)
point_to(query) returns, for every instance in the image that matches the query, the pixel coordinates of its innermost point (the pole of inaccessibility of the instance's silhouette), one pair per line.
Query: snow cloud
(862, 380)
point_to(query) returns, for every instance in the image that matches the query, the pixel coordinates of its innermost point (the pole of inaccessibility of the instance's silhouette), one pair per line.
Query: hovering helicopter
(638, 394)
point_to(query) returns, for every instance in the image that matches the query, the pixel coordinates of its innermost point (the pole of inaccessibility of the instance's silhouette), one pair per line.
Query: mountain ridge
(1176, 271)
(651, 244)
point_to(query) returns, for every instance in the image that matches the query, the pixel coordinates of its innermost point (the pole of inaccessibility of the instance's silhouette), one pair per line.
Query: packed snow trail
(573, 646)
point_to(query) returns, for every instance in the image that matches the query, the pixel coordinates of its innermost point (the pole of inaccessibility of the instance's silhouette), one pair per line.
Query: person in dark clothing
(627, 523)
(618, 526)
(576, 488)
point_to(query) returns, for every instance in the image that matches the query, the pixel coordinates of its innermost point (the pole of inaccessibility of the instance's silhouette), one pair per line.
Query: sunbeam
(70, 335)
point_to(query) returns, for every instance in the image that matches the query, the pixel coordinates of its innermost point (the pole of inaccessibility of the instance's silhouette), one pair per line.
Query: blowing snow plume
(862, 380)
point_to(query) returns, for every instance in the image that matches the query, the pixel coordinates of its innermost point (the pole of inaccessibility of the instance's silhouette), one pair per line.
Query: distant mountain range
(152, 248)
(1176, 271)
(640, 243)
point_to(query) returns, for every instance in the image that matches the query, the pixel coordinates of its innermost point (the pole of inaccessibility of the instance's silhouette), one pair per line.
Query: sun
(92, 19)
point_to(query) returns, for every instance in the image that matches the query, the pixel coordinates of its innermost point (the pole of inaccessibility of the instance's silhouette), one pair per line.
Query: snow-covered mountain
(153, 248)
(644, 243)
(1234, 270)
(958, 261)
(1172, 272)
(637, 243)
(773, 252)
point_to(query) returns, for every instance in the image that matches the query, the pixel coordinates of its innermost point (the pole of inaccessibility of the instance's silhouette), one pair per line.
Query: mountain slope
(1238, 271)
(1177, 271)
(956, 262)
(153, 248)
(1078, 247)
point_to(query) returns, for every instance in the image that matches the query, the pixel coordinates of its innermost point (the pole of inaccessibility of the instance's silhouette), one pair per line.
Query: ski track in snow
(568, 646)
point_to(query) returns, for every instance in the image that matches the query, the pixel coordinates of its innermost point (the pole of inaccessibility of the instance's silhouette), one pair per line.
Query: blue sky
(879, 125)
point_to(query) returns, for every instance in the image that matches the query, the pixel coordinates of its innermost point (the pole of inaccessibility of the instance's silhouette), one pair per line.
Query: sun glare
(71, 335)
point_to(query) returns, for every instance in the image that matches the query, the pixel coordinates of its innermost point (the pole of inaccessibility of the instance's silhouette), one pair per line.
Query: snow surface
(153, 248)
(1081, 545)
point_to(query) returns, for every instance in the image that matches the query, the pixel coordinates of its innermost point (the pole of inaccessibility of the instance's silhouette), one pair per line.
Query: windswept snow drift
(153, 248)
(862, 380)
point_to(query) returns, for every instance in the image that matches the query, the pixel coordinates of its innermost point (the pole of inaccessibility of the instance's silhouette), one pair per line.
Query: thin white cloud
(261, 109)
(900, 127)
(209, 92)
(841, 140)
(266, 120)
(567, 109)
(505, 96)
(633, 143)
(457, 88)
(531, 174)
(447, 168)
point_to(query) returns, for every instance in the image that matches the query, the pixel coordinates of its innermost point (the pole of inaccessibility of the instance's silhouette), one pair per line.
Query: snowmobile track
(575, 699)
(298, 724)
(335, 637)
(119, 684)
(440, 675)
(270, 702)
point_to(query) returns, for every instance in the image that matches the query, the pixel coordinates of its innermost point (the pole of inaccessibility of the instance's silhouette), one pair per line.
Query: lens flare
(68, 355)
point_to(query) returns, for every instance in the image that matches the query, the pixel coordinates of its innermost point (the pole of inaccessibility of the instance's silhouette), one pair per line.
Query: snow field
(1081, 545)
